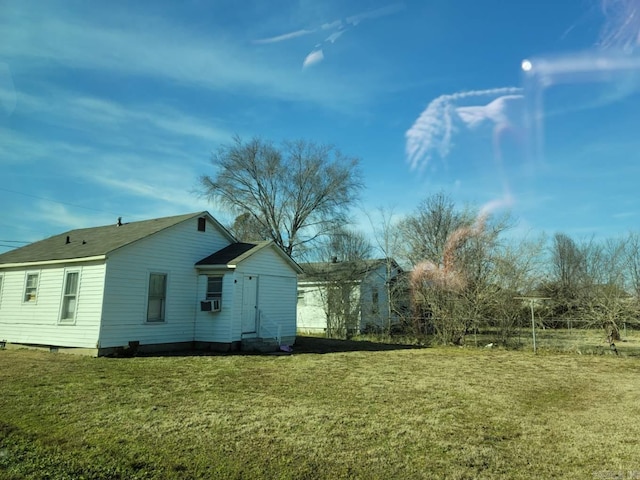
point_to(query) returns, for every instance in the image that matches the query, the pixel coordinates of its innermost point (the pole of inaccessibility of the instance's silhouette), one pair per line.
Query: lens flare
(448, 276)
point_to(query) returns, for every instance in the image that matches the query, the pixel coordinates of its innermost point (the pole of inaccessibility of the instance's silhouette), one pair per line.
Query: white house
(362, 288)
(167, 283)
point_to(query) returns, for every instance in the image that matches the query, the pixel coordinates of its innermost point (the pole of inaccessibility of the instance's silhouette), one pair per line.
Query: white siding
(37, 322)
(312, 317)
(215, 326)
(173, 251)
(277, 287)
(236, 308)
(268, 261)
(374, 281)
(311, 308)
(277, 306)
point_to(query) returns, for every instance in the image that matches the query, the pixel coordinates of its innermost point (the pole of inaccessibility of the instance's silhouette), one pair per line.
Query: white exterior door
(249, 303)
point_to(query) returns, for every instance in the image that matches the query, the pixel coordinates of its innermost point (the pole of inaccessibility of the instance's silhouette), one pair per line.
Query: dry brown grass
(427, 413)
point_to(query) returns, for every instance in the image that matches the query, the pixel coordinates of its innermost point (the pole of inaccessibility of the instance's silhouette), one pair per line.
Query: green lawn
(393, 413)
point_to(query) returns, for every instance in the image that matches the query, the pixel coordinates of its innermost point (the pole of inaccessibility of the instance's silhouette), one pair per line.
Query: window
(157, 297)
(202, 224)
(31, 287)
(214, 292)
(301, 299)
(70, 297)
(374, 301)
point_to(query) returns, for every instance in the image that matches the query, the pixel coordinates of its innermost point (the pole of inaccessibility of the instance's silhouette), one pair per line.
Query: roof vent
(119, 224)
(68, 240)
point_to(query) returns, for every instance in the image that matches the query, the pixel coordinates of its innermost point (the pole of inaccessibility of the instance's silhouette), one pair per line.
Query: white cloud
(178, 198)
(137, 186)
(284, 36)
(93, 114)
(339, 26)
(623, 215)
(62, 218)
(379, 12)
(499, 111)
(163, 181)
(21, 149)
(432, 133)
(313, 58)
(331, 25)
(504, 202)
(95, 160)
(7, 90)
(334, 36)
(42, 37)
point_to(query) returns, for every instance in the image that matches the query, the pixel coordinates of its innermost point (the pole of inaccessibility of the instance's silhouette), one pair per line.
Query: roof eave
(215, 267)
(93, 258)
(262, 245)
(220, 227)
(191, 216)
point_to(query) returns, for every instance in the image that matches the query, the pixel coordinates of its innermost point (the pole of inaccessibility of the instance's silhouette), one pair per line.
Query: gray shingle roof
(90, 242)
(353, 270)
(228, 254)
(235, 253)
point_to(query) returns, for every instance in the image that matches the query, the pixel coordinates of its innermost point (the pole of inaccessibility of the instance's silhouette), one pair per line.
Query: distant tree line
(465, 272)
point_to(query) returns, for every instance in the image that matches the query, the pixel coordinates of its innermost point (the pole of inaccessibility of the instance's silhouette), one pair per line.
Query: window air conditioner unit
(211, 305)
(215, 304)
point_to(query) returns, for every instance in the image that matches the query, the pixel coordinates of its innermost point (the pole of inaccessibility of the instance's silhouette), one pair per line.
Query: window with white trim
(214, 292)
(31, 287)
(70, 296)
(301, 298)
(375, 301)
(157, 297)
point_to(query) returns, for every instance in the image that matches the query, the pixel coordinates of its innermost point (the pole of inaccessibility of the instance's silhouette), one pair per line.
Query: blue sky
(112, 109)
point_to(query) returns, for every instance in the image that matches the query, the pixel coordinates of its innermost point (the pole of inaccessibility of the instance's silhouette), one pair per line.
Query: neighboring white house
(166, 283)
(363, 289)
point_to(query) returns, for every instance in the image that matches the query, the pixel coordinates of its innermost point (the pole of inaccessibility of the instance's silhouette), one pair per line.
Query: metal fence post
(533, 326)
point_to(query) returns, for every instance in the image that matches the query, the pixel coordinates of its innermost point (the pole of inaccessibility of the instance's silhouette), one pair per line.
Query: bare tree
(605, 302)
(456, 277)
(344, 254)
(246, 228)
(516, 268)
(479, 259)
(343, 245)
(426, 231)
(632, 263)
(567, 275)
(568, 261)
(387, 239)
(590, 282)
(453, 253)
(434, 236)
(296, 192)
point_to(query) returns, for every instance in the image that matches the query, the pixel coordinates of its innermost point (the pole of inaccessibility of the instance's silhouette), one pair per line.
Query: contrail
(432, 132)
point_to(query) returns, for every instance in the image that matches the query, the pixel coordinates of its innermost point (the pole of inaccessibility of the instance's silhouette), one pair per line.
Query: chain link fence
(575, 335)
